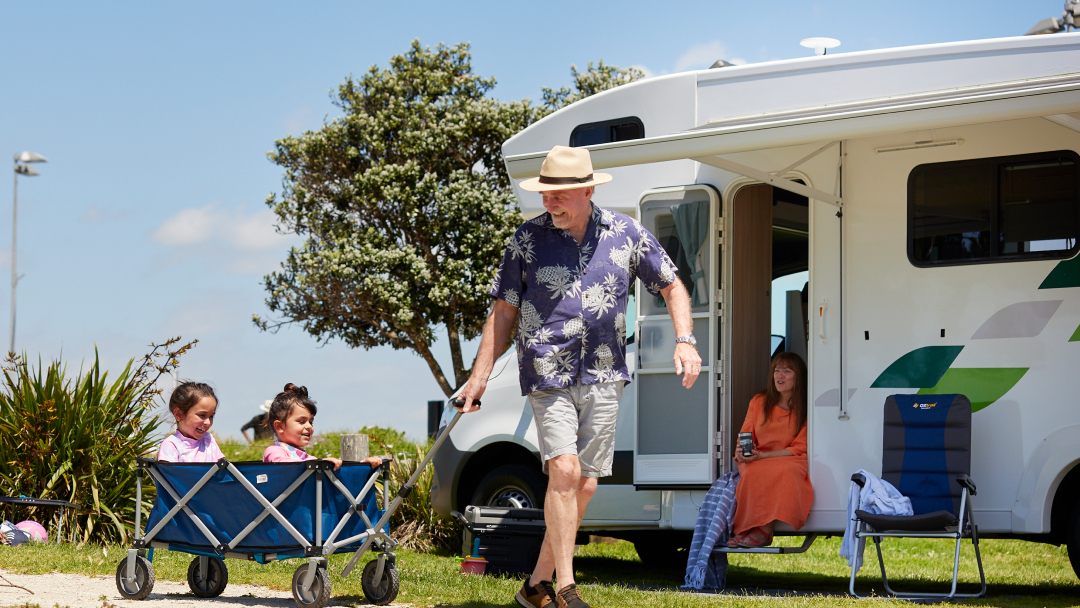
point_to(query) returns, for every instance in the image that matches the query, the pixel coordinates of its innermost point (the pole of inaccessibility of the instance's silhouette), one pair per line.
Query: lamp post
(27, 170)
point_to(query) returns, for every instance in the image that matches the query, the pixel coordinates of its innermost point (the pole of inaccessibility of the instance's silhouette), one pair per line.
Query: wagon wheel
(139, 587)
(319, 593)
(207, 576)
(384, 590)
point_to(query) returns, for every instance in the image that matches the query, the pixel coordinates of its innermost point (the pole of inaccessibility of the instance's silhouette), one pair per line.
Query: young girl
(193, 405)
(291, 416)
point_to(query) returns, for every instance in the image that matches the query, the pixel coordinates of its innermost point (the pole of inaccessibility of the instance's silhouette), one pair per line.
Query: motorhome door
(675, 439)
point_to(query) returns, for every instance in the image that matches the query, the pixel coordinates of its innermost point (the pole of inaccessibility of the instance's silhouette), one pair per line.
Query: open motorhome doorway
(769, 249)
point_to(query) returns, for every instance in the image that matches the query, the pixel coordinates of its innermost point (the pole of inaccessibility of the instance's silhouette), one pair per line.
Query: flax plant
(77, 439)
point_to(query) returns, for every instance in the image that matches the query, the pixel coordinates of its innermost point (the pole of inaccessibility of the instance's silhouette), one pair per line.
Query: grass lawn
(1019, 574)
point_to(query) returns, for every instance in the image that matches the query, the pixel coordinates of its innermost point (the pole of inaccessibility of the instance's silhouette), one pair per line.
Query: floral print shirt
(571, 298)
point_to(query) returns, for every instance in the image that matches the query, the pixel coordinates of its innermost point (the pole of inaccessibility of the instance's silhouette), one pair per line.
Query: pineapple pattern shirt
(571, 298)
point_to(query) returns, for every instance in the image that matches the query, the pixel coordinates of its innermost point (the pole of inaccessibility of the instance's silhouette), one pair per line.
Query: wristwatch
(688, 338)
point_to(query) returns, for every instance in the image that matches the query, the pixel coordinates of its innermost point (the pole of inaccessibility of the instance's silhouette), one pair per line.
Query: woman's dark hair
(187, 394)
(284, 402)
(789, 360)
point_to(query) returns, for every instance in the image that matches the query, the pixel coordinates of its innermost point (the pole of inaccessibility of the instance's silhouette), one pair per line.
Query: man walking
(565, 279)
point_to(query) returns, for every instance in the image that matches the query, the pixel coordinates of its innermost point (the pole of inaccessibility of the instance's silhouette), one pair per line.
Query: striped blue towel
(703, 568)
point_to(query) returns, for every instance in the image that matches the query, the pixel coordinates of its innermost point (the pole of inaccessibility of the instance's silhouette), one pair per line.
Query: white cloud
(240, 231)
(95, 215)
(700, 56)
(189, 227)
(231, 239)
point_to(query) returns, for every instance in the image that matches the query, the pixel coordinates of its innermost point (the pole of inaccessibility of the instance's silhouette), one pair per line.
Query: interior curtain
(692, 224)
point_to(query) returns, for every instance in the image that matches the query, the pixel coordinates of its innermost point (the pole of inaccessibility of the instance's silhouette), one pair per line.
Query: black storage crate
(510, 539)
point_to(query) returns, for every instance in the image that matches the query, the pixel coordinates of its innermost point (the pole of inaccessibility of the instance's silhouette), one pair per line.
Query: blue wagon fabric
(226, 507)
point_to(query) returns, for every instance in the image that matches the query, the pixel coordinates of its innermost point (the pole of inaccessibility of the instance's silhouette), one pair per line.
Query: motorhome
(927, 201)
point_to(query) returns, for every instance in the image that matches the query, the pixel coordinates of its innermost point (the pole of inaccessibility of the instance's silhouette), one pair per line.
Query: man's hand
(687, 363)
(473, 390)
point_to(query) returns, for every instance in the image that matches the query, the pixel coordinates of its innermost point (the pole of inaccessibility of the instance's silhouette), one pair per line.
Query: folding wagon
(268, 512)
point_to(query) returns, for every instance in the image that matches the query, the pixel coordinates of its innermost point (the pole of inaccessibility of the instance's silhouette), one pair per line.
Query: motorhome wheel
(513, 486)
(1072, 539)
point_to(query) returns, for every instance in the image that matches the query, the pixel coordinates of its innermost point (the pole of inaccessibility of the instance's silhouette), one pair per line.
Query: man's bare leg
(567, 498)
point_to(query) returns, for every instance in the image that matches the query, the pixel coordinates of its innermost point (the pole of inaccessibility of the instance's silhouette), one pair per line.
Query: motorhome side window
(680, 222)
(607, 131)
(994, 209)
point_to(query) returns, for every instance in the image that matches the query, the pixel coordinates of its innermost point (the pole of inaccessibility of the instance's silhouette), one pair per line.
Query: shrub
(77, 440)
(415, 524)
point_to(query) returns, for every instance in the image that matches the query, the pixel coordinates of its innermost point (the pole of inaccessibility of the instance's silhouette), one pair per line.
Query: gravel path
(78, 591)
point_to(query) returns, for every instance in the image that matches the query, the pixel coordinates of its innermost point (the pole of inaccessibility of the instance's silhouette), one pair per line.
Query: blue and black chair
(926, 455)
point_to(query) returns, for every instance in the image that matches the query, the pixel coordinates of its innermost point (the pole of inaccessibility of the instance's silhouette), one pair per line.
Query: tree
(405, 205)
(590, 82)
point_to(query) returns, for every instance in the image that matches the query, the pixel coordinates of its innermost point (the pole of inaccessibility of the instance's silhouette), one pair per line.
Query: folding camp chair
(926, 454)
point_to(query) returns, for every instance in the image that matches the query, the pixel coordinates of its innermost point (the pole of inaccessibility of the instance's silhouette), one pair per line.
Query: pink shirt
(178, 448)
(283, 452)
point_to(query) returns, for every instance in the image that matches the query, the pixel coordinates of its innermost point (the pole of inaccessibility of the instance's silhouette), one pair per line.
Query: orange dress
(773, 488)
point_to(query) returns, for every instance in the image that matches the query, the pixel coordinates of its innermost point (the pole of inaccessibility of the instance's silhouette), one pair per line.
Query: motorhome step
(809, 540)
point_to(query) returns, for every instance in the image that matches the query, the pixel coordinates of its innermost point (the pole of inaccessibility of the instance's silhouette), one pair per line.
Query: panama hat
(565, 168)
(266, 405)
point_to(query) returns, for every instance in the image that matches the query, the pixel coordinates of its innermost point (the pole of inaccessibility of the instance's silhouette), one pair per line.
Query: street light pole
(25, 157)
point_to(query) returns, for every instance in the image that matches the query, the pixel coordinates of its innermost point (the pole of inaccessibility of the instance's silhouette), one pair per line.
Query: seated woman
(774, 484)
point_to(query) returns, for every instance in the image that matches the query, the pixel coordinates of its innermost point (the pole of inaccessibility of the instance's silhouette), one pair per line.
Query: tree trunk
(433, 365)
(460, 373)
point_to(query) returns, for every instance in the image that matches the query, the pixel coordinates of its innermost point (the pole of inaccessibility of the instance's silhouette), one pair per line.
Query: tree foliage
(404, 204)
(590, 82)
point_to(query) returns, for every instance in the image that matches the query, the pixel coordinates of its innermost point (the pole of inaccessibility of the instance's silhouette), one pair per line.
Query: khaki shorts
(578, 420)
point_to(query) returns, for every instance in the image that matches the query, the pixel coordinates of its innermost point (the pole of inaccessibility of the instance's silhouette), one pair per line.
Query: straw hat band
(561, 169)
(561, 181)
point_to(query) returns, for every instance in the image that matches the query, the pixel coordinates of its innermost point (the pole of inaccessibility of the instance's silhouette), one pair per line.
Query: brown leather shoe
(569, 597)
(538, 596)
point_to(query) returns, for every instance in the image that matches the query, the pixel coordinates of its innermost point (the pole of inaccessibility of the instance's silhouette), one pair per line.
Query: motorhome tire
(513, 485)
(663, 549)
(1072, 539)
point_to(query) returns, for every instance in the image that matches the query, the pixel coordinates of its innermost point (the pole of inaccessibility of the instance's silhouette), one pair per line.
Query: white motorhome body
(929, 189)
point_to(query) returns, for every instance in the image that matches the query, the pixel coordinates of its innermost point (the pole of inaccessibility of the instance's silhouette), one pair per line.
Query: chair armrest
(966, 481)
(859, 479)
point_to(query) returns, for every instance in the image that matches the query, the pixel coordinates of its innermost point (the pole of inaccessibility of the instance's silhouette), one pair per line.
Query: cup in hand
(746, 444)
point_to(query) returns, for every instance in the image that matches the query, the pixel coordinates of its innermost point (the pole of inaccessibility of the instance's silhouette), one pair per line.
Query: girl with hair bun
(291, 417)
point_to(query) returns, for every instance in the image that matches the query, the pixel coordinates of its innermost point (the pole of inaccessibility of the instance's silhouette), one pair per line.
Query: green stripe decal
(982, 385)
(1065, 274)
(1076, 335)
(920, 368)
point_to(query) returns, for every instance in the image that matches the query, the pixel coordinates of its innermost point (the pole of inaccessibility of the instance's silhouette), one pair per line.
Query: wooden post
(354, 447)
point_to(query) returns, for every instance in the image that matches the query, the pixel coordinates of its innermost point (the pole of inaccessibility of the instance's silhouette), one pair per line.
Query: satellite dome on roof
(820, 45)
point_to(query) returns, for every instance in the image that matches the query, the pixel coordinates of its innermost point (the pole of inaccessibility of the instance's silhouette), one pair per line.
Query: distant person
(193, 405)
(261, 429)
(291, 415)
(774, 484)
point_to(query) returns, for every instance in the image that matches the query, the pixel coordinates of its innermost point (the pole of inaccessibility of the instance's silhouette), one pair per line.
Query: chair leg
(881, 562)
(978, 560)
(955, 567)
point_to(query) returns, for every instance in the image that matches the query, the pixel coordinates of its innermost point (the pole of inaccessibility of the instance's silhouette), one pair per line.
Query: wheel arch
(501, 451)
(1050, 479)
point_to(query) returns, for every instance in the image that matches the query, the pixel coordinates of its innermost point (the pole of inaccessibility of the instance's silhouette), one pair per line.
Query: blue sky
(149, 220)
